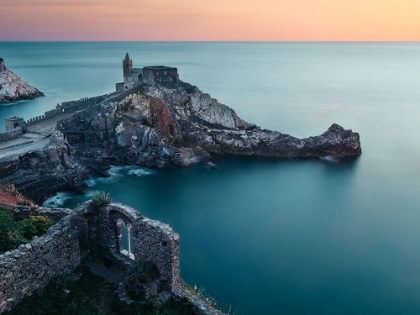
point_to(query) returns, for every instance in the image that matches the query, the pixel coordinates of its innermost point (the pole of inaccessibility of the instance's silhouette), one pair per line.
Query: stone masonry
(33, 265)
(90, 229)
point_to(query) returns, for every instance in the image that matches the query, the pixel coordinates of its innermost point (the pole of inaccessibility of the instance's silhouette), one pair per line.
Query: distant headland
(13, 88)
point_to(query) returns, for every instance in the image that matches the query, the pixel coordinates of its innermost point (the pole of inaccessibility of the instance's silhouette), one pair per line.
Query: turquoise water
(274, 236)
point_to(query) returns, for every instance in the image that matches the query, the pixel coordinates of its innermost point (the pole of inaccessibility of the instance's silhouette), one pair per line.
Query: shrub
(101, 199)
(13, 233)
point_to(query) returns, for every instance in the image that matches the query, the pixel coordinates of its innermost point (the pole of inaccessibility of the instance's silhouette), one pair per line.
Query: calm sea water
(265, 235)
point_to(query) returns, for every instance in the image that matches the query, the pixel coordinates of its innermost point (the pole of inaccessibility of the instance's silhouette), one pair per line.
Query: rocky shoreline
(163, 125)
(13, 88)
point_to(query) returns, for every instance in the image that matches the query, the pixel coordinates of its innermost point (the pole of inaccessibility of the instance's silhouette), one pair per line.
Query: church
(153, 74)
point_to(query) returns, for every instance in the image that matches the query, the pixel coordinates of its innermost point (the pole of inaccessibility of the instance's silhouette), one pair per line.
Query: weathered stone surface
(178, 124)
(33, 265)
(13, 88)
(154, 126)
(199, 306)
(91, 229)
(39, 174)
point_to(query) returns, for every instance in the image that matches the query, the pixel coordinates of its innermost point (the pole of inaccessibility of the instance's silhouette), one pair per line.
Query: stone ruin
(114, 233)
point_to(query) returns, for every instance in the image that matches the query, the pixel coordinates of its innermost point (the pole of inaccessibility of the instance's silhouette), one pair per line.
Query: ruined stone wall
(93, 229)
(10, 135)
(31, 266)
(153, 241)
(199, 306)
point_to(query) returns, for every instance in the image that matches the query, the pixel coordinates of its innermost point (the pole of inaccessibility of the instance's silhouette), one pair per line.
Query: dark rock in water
(13, 88)
(211, 165)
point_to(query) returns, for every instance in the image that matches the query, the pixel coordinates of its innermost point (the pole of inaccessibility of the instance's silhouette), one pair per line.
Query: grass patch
(90, 295)
(13, 233)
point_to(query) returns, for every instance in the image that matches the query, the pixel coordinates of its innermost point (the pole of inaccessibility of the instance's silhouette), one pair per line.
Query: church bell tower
(127, 65)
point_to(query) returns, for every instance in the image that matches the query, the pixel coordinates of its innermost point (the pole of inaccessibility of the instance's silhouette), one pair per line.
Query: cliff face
(175, 124)
(43, 170)
(156, 127)
(13, 88)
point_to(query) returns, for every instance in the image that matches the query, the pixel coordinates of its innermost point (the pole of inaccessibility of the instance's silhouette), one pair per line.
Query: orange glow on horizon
(217, 20)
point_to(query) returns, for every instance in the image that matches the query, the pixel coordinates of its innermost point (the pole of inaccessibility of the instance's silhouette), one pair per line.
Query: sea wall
(33, 265)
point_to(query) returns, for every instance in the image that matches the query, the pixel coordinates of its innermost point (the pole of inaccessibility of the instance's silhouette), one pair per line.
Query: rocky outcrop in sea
(177, 123)
(155, 126)
(13, 88)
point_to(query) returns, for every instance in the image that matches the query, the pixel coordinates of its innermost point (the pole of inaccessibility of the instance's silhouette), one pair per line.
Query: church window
(125, 239)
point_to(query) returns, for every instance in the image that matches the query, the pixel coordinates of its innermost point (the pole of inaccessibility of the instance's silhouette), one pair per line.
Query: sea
(271, 236)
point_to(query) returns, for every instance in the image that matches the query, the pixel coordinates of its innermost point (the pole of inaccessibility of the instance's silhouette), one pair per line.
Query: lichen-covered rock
(13, 88)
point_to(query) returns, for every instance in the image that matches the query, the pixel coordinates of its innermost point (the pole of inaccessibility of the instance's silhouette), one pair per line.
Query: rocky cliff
(47, 167)
(173, 124)
(13, 88)
(156, 126)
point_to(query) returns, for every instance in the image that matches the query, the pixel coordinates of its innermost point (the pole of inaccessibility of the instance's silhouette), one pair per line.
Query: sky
(210, 20)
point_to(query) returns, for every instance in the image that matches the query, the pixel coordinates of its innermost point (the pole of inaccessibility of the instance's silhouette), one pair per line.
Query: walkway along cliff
(157, 123)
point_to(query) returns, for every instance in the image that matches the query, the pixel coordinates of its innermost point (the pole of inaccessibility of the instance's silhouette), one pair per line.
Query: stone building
(152, 74)
(14, 122)
(159, 74)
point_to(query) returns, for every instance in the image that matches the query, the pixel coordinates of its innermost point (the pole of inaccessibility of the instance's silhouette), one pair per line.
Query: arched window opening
(125, 239)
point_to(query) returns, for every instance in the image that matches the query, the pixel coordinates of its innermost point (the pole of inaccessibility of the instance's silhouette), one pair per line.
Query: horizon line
(210, 41)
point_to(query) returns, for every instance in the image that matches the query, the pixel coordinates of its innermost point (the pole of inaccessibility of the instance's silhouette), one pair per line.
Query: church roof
(160, 68)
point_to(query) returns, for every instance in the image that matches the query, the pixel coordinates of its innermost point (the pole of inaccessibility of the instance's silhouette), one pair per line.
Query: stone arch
(125, 238)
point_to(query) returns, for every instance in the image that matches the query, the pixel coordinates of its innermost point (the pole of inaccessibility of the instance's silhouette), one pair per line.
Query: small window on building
(125, 239)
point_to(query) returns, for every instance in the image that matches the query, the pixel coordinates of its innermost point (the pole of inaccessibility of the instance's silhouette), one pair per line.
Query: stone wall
(33, 265)
(199, 306)
(10, 135)
(153, 241)
(93, 229)
(68, 107)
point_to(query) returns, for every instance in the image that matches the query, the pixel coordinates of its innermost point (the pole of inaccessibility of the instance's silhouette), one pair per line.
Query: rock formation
(13, 88)
(46, 168)
(155, 126)
(173, 124)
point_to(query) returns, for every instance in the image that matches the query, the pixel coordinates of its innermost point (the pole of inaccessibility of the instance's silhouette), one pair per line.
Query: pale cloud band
(285, 20)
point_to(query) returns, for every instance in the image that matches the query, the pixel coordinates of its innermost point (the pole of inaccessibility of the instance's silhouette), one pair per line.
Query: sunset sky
(215, 20)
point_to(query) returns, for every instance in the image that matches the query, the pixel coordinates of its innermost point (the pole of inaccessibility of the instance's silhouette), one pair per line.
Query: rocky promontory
(156, 125)
(13, 88)
(175, 123)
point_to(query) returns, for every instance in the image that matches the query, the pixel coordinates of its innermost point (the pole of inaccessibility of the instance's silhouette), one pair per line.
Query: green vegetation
(101, 199)
(90, 295)
(13, 233)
